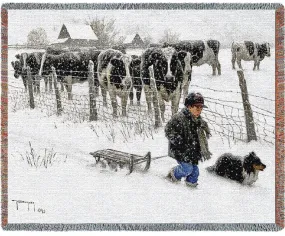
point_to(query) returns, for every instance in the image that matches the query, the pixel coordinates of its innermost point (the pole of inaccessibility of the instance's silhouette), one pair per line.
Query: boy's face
(196, 109)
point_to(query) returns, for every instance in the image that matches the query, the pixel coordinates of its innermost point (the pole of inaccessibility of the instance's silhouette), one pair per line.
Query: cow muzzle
(127, 82)
(169, 79)
(16, 75)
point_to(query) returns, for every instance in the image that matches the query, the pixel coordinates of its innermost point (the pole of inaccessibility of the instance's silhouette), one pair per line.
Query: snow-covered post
(157, 120)
(92, 95)
(57, 94)
(30, 87)
(250, 129)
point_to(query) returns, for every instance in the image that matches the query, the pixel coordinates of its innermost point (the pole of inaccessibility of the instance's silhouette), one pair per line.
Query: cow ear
(115, 61)
(13, 64)
(182, 55)
(18, 56)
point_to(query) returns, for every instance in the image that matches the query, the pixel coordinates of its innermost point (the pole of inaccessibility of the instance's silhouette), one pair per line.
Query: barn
(73, 36)
(133, 41)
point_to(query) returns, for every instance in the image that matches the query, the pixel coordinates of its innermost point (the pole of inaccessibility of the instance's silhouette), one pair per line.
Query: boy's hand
(176, 140)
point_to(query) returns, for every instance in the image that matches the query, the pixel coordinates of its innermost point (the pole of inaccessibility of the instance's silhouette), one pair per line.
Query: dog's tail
(211, 168)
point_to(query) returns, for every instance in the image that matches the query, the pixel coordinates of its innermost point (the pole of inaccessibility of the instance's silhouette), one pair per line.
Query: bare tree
(105, 30)
(147, 40)
(37, 37)
(169, 37)
(120, 40)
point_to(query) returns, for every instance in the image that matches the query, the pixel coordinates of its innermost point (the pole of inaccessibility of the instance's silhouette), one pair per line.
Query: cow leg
(68, 80)
(214, 67)
(139, 92)
(24, 78)
(239, 63)
(219, 67)
(37, 83)
(233, 60)
(131, 96)
(175, 103)
(258, 63)
(255, 64)
(96, 86)
(124, 101)
(112, 93)
(148, 97)
(46, 83)
(185, 86)
(104, 95)
(61, 86)
(69, 91)
(50, 83)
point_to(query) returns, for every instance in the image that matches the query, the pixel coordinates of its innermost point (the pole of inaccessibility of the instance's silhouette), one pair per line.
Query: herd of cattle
(164, 71)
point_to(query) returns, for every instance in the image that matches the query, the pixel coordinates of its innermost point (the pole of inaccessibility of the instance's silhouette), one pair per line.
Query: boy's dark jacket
(188, 137)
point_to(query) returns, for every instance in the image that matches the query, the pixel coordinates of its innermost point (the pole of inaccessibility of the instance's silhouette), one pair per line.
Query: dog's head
(253, 163)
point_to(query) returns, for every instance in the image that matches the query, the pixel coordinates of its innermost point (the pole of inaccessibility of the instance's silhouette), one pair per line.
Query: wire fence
(226, 118)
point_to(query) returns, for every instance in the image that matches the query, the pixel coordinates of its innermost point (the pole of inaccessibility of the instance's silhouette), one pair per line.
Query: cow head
(263, 50)
(177, 64)
(17, 68)
(186, 61)
(135, 66)
(120, 71)
(267, 49)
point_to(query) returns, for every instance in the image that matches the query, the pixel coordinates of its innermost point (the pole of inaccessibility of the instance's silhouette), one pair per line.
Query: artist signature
(31, 206)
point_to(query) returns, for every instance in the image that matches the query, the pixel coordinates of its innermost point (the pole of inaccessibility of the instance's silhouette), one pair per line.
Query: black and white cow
(249, 51)
(33, 60)
(202, 52)
(114, 77)
(135, 71)
(70, 67)
(162, 72)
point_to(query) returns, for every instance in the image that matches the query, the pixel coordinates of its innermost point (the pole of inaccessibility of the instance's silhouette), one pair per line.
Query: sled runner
(122, 158)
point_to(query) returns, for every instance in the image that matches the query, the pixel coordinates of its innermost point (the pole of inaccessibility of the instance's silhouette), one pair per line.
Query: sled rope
(158, 157)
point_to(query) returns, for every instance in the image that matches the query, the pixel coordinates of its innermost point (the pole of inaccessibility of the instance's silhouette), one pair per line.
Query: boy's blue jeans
(187, 170)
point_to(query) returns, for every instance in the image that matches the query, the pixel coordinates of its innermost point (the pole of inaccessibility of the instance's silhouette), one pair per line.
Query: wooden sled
(122, 158)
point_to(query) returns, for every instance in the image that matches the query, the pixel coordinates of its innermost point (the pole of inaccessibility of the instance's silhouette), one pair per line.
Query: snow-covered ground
(74, 190)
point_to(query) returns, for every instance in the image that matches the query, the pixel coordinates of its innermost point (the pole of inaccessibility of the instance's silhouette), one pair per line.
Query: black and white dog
(244, 170)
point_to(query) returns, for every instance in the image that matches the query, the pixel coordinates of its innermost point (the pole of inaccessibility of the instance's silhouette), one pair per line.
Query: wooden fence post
(57, 94)
(30, 87)
(157, 120)
(250, 129)
(92, 95)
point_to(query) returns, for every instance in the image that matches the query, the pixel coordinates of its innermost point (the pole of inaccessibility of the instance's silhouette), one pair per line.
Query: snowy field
(73, 190)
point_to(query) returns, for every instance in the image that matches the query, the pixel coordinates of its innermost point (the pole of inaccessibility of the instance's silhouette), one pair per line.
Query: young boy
(187, 133)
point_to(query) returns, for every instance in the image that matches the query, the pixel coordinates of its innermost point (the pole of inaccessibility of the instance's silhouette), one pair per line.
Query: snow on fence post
(92, 95)
(30, 87)
(250, 129)
(57, 94)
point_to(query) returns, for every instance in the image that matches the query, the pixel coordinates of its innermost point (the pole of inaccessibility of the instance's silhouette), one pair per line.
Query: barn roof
(130, 38)
(80, 31)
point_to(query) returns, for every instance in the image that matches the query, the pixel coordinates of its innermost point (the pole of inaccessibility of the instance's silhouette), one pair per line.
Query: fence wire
(225, 117)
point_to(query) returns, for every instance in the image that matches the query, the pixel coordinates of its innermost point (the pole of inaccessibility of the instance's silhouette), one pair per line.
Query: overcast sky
(223, 25)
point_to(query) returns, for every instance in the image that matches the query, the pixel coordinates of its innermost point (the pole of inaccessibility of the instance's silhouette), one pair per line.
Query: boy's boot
(191, 185)
(170, 176)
